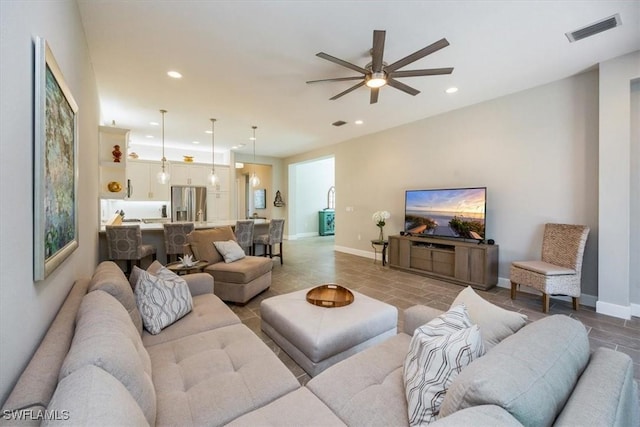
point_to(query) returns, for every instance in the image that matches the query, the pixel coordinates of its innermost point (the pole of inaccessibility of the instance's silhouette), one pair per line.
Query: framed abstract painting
(55, 171)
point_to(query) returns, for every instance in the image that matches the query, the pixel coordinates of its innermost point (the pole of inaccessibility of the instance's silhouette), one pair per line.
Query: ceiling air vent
(339, 123)
(595, 28)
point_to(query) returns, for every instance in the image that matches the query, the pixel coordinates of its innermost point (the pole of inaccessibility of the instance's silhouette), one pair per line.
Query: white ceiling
(246, 63)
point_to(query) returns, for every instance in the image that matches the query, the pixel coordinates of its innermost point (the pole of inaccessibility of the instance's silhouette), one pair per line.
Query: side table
(375, 244)
(180, 269)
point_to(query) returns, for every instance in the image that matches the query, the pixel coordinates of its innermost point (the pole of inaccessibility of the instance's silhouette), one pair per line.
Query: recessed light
(251, 138)
(358, 122)
(154, 123)
(174, 74)
(235, 147)
(452, 90)
(196, 142)
(149, 136)
(208, 131)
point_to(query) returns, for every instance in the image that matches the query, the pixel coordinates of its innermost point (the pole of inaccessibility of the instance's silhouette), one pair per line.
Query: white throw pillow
(230, 250)
(162, 299)
(438, 352)
(495, 323)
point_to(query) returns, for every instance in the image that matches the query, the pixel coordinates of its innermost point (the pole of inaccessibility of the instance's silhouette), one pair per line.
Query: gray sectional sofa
(96, 366)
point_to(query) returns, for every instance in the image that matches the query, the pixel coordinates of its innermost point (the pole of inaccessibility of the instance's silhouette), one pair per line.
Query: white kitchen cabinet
(190, 174)
(223, 178)
(142, 176)
(218, 205)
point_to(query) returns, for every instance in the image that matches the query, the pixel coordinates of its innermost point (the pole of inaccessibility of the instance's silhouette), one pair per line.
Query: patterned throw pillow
(438, 352)
(230, 250)
(162, 299)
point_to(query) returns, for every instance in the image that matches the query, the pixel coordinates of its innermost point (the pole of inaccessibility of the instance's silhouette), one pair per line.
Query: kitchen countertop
(157, 226)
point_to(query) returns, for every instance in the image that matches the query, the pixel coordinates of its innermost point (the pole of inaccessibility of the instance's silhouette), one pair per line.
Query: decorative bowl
(188, 159)
(114, 187)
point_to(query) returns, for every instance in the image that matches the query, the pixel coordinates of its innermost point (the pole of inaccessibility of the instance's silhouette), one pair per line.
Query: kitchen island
(153, 234)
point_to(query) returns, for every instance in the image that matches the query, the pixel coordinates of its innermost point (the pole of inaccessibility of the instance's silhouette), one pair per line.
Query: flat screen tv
(448, 212)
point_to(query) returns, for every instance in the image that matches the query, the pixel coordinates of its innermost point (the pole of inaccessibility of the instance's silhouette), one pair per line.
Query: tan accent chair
(175, 236)
(560, 270)
(274, 237)
(237, 281)
(244, 235)
(124, 242)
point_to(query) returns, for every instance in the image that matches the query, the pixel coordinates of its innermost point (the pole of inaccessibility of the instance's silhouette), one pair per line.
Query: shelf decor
(379, 218)
(55, 178)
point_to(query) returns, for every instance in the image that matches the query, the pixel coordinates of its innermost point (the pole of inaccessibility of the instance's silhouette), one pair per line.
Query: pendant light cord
(213, 144)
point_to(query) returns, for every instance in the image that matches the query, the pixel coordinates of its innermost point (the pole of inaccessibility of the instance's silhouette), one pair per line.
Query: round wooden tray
(330, 295)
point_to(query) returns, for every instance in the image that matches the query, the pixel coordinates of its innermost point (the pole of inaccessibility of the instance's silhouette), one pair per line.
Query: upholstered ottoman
(318, 337)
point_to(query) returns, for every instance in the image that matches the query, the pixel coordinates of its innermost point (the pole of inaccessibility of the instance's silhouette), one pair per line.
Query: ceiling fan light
(376, 80)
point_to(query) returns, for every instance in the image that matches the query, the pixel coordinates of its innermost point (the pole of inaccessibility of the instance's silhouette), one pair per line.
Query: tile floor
(312, 261)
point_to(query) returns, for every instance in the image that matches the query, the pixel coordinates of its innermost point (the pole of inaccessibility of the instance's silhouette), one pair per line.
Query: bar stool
(276, 230)
(175, 237)
(244, 235)
(124, 242)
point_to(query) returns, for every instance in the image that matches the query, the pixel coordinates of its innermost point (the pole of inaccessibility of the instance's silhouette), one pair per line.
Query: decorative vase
(116, 154)
(381, 237)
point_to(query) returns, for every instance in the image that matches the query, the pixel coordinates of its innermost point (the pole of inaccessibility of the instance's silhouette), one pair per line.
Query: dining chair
(273, 237)
(124, 242)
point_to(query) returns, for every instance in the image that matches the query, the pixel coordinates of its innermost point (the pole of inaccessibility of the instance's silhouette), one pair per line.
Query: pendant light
(163, 176)
(213, 179)
(254, 180)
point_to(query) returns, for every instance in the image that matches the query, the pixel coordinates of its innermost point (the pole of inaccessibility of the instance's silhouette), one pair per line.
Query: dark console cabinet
(464, 263)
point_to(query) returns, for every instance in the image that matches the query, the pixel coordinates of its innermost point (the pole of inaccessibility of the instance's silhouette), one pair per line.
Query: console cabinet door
(399, 252)
(470, 264)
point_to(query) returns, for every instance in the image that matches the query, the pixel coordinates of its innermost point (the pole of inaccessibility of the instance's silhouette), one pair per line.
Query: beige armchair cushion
(201, 243)
(545, 268)
(242, 271)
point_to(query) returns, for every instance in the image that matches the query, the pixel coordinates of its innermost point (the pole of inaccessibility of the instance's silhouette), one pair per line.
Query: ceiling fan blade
(339, 79)
(341, 62)
(351, 89)
(377, 51)
(374, 95)
(440, 44)
(417, 73)
(403, 87)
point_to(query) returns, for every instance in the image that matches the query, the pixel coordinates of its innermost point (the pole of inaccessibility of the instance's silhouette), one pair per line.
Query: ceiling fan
(378, 73)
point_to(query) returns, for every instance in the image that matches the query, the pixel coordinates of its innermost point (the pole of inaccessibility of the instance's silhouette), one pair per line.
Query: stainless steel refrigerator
(188, 203)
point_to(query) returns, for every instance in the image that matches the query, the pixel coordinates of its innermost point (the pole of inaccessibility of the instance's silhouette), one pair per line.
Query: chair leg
(545, 303)
(513, 290)
(576, 303)
(281, 253)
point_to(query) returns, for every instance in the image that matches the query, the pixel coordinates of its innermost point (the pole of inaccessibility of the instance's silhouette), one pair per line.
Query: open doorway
(252, 200)
(312, 196)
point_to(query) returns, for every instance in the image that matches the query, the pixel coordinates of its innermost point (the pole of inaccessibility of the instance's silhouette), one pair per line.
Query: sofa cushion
(438, 352)
(208, 312)
(230, 250)
(212, 377)
(162, 299)
(242, 271)
(92, 397)
(109, 277)
(367, 388)
(106, 338)
(483, 415)
(495, 323)
(530, 374)
(201, 242)
(298, 408)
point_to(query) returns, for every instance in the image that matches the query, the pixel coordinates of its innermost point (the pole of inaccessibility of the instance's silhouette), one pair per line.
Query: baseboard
(615, 310)
(302, 235)
(585, 299)
(357, 252)
(635, 310)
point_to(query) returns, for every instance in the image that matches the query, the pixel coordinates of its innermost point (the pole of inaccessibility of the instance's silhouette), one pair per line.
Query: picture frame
(260, 199)
(55, 168)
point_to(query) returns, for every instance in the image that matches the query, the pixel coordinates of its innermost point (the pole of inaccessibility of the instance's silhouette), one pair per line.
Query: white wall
(536, 151)
(615, 185)
(27, 308)
(312, 183)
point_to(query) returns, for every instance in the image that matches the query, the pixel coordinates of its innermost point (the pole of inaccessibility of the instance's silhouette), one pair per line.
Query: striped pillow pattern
(438, 352)
(162, 299)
